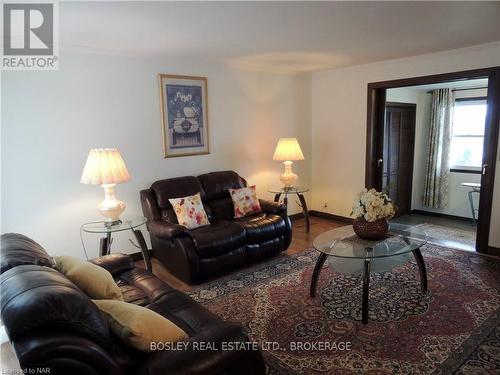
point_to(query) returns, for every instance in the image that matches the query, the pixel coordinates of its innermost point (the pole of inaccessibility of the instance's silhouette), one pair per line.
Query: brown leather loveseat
(224, 245)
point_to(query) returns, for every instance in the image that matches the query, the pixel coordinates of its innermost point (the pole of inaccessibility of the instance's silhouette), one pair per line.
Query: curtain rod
(469, 88)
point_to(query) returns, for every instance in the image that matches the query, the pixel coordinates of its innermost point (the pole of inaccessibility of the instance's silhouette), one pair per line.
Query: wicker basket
(375, 230)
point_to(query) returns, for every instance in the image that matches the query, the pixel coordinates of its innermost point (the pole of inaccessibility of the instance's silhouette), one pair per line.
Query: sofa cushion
(17, 249)
(245, 201)
(217, 238)
(138, 326)
(217, 184)
(177, 187)
(95, 281)
(189, 211)
(184, 312)
(222, 209)
(262, 227)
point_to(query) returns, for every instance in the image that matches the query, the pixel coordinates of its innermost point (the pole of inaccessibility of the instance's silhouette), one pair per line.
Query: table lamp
(105, 167)
(288, 149)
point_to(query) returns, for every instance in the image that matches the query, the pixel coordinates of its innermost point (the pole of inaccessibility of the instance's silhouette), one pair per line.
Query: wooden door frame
(413, 120)
(376, 112)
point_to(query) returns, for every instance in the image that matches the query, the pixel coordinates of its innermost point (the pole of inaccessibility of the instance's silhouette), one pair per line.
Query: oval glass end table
(299, 192)
(131, 223)
(347, 253)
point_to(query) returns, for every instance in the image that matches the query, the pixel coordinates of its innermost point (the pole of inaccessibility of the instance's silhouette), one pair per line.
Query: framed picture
(184, 115)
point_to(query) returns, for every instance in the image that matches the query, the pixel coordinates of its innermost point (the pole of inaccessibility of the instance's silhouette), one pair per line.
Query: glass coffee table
(347, 253)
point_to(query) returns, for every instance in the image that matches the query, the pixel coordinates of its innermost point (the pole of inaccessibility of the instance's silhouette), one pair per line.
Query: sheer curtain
(438, 153)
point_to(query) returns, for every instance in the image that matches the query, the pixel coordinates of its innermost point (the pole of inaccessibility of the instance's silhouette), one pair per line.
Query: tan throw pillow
(189, 211)
(138, 326)
(94, 281)
(245, 201)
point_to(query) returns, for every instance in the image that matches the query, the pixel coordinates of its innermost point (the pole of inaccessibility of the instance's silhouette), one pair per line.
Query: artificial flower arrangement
(373, 205)
(371, 210)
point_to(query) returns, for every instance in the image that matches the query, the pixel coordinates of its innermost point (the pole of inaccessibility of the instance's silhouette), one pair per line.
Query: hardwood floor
(300, 242)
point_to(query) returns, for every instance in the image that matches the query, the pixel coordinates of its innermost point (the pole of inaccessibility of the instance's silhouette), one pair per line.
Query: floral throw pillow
(245, 201)
(189, 211)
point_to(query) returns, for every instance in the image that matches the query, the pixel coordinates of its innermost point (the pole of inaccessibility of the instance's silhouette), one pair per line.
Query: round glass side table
(131, 223)
(298, 191)
(347, 253)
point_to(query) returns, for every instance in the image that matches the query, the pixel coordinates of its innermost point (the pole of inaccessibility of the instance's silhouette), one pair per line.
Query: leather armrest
(165, 230)
(217, 358)
(63, 353)
(114, 263)
(274, 208)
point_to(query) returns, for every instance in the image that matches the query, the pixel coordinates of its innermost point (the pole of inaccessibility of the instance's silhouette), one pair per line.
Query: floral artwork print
(372, 206)
(189, 211)
(185, 115)
(245, 201)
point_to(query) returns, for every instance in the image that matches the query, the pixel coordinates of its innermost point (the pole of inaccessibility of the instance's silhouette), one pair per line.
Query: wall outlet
(325, 205)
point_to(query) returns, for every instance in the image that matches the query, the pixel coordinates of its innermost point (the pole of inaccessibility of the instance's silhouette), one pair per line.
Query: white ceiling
(280, 36)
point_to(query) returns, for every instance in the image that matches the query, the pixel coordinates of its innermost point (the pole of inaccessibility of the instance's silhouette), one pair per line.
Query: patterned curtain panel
(438, 153)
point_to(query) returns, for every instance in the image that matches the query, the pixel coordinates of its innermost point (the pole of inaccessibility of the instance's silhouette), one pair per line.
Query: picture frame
(184, 115)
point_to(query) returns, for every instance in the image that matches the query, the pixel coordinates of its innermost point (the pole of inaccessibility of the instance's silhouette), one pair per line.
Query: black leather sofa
(224, 245)
(55, 328)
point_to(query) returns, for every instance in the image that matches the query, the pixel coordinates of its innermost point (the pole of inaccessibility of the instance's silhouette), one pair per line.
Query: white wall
(339, 122)
(458, 201)
(50, 120)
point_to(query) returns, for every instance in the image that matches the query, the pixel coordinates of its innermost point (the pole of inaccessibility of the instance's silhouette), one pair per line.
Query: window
(468, 134)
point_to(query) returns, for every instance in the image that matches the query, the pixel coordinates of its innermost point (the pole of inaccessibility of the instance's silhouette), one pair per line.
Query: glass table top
(127, 223)
(289, 190)
(344, 243)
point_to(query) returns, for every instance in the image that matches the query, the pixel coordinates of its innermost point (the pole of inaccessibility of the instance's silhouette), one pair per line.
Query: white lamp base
(111, 208)
(288, 178)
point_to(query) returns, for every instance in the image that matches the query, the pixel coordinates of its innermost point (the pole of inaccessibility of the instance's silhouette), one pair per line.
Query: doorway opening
(431, 145)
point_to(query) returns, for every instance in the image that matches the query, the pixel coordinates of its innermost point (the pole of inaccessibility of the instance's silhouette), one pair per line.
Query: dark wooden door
(398, 149)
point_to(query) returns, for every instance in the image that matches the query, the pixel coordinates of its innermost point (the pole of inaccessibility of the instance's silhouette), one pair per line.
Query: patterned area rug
(454, 328)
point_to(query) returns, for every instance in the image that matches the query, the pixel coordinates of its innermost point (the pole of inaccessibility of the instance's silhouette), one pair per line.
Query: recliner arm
(274, 208)
(165, 230)
(63, 353)
(114, 263)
